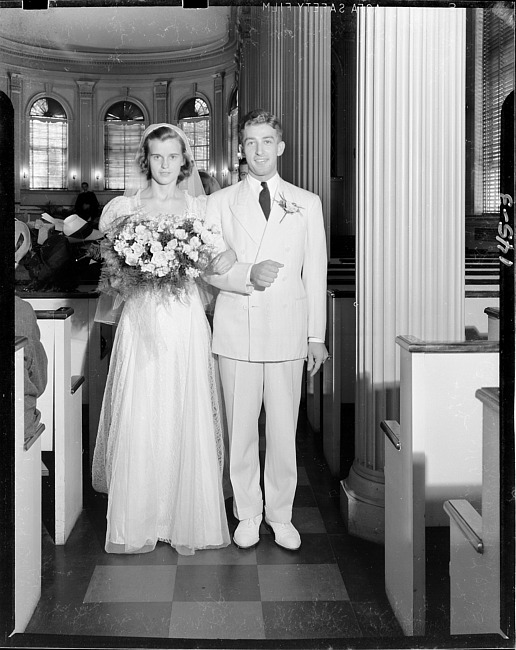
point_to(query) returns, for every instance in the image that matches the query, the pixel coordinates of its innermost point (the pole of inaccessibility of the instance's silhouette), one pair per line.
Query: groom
(270, 316)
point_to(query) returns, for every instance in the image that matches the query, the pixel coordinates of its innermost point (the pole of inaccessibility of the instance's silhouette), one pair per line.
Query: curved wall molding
(115, 63)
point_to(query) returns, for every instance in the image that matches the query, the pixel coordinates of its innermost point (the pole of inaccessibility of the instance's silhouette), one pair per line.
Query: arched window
(233, 138)
(48, 143)
(194, 119)
(123, 128)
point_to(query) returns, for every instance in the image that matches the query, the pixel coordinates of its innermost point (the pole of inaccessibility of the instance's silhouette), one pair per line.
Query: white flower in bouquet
(138, 249)
(131, 259)
(208, 237)
(160, 259)
(156, 247)
(195, 242)
(148, 267)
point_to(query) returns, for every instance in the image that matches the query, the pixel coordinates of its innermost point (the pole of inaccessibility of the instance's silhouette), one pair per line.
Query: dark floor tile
(216, 583)
(163, 554)
(105, 619)
(309, 620)
(229, 555)
(315, 549)
(66, 581)
(217, 620)
(304, 497)
(376, 620)
(302, 476)
(329, 507)
(362, 566)
(308, 520)
(83, 540)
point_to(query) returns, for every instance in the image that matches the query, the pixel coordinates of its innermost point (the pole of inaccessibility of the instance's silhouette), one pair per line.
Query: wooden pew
(433, 454)
(475, 538)
(27, 504)
(338, 373)
(493, 323)
(91, 344)
(61, 412)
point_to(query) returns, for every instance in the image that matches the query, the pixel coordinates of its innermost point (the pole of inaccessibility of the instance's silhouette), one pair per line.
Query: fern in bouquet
(162, 253)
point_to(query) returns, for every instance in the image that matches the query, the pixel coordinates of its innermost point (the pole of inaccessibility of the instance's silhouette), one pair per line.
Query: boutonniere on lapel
(289, 206)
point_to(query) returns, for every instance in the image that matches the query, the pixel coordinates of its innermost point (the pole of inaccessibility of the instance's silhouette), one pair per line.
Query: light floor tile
(130, 584)
(217, 620)
(216, 583)
(301, 582)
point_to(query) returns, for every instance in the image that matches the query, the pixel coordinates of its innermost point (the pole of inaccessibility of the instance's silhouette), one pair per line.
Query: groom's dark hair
(260, 116)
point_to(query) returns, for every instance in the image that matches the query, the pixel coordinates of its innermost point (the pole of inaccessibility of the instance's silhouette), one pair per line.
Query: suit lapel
(248, 213)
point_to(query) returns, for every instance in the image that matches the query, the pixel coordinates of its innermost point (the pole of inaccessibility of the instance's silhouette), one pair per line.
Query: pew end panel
(475, 597)
(338, 373)
(27, 505)
(443, 418)
(439, 458)
(66, 435)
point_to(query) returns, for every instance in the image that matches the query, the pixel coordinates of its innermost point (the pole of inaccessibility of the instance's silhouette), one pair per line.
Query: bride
(159, 450)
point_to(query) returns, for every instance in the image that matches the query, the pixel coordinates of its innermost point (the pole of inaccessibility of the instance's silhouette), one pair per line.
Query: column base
(362, 503)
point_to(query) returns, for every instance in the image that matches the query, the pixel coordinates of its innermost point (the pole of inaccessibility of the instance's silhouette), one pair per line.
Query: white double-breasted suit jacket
(273, 324)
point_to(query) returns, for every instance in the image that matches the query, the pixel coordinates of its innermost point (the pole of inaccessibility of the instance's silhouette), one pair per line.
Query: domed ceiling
(116, 39)
(117, 29)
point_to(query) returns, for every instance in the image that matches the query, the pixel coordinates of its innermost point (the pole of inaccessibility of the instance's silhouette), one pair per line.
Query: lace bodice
(122, 206)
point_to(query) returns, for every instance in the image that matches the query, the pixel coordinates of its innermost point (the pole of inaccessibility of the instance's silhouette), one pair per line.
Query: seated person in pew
(25, 324)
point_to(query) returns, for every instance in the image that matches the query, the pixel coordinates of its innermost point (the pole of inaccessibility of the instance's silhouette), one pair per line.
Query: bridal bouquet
(163, 253)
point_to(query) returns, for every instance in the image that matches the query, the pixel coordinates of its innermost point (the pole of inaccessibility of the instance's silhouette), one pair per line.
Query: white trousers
(246, 385)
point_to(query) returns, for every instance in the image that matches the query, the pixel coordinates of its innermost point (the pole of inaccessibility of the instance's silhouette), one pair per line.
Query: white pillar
(160, 88)
(410, 218)
(286, 68)
(16, 89)
(86, 155)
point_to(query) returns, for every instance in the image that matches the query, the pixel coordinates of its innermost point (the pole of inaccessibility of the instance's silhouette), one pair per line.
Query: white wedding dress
(159, 450)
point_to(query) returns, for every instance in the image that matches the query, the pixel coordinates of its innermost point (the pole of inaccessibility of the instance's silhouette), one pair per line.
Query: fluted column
(160, 101)
(16, 87)
(410, 218)
(86, 133)
(219, 134)
(286, 67)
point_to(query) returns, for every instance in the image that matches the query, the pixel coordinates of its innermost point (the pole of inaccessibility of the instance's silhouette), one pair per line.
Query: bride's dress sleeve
(109, 308)
(114, 211)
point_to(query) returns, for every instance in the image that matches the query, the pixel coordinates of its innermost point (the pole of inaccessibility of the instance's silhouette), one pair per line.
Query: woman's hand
(222, 262)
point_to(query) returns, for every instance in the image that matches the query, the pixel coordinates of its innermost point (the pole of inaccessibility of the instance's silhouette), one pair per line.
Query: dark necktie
(265, 200)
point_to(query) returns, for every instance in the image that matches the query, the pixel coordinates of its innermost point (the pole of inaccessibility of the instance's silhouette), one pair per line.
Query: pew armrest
(77, 381)
(468, 520)
(30, 441)
(391, 428)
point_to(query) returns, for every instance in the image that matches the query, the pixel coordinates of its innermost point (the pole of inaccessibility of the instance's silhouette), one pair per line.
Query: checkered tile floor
(331, 588)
